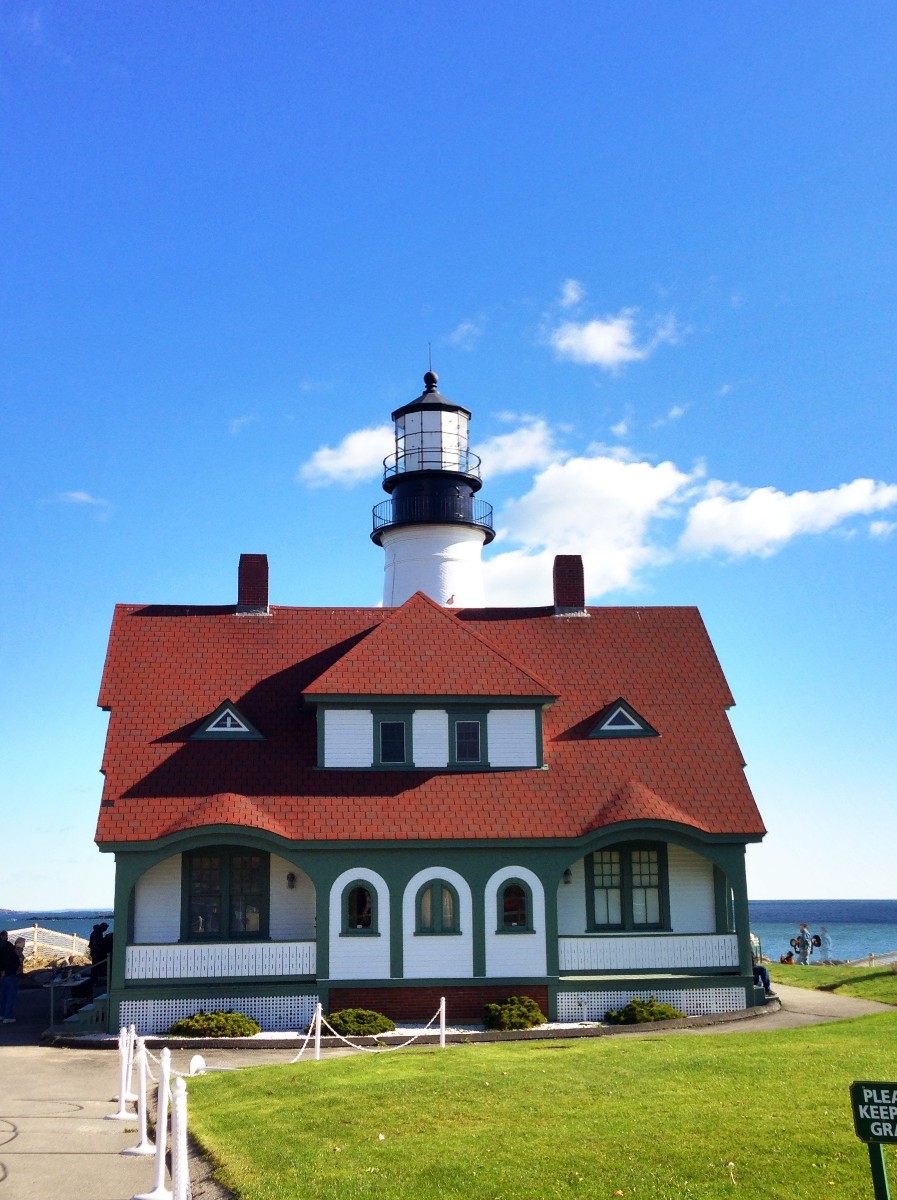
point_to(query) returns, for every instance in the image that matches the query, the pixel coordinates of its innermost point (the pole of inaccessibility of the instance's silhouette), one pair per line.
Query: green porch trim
(722, 902)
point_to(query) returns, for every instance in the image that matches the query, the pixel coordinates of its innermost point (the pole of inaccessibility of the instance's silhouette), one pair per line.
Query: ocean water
(77, 920)
(858, 927)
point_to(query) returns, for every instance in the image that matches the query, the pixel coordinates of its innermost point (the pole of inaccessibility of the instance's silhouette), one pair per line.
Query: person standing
(10, 969)
(825, 945)
(804, 945)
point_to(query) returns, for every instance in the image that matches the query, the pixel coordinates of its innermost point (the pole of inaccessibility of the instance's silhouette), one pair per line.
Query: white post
(180, 1173)
(159, 1190)
(122, 1097)
(132, 1047)
(144, 1145)
(442, 1022)
(34, 938)
(318, 1011)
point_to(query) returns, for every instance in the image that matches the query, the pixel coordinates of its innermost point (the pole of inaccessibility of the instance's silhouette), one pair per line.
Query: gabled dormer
(423, 691)
(620, 720)
(226, 723)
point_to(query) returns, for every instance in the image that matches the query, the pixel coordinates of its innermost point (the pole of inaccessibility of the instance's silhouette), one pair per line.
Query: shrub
(517, 1012)
(215, 1024)
(637, 1011)
(359, 1022)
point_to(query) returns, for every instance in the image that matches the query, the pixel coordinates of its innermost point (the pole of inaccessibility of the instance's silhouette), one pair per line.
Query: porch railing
(229, 960)
(647, 952)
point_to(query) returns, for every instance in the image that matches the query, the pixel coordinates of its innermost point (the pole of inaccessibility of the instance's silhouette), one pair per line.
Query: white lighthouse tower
(433, 526)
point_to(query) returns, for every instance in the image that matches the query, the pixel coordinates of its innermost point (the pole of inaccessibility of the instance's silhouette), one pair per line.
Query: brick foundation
(462, 1003)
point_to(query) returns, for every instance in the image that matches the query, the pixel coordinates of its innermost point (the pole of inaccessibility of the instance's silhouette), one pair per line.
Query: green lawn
(871, 983)
(758, 1115)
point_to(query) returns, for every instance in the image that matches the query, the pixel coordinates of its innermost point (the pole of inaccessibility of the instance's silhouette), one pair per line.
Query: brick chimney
(252, 583)
(569, 585)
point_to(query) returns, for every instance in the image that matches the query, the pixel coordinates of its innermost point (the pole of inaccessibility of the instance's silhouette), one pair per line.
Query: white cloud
(101, 508)
(465, 335)
(83, 498)
(601, 507)
(626, 516)
(531, 445)
(610, 342)
(620, 429)
(739, 521)
(357, 459)
(237, 424)
(675, 413)
(882, 529)
(572, 293)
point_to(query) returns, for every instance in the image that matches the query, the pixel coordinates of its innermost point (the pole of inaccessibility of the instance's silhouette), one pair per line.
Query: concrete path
(55, 1141)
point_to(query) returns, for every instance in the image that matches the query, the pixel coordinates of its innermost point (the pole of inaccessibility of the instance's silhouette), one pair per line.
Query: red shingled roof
(421, 649)
(169, 668)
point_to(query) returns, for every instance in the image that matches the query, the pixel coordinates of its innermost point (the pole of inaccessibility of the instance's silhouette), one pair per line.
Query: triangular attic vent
(620, 719)
(225, 723)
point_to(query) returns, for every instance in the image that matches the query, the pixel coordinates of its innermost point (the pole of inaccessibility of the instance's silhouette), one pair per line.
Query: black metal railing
(433, 510)
(432, 458)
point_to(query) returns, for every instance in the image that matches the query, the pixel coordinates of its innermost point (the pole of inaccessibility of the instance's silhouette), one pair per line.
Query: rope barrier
(320, 1020)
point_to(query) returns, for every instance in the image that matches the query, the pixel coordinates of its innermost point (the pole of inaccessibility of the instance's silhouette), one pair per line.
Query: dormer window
(429, 736)
(620, 720)
(227, 723)
(392, 739)
(467, 741)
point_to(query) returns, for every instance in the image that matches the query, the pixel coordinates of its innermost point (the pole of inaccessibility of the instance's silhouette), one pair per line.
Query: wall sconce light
(291, 879)
(568, 876)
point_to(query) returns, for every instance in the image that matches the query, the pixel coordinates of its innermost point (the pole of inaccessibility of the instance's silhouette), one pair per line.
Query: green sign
(874, 1111)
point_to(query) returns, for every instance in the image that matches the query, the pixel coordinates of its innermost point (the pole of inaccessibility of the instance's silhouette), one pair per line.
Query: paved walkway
(55, 1142)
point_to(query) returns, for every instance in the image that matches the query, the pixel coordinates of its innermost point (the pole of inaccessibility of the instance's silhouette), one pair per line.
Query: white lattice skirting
(694, 1002)
(275, 1014)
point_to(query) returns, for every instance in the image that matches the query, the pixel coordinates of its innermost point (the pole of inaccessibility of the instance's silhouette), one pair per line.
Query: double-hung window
(627, 888)
(392, 739)
(226, 894)
(467, 739)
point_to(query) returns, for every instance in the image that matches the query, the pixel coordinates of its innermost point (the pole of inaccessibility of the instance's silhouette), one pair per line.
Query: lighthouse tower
(433, 526)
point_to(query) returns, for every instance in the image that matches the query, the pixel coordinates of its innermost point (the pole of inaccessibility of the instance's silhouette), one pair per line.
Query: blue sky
(654, 251)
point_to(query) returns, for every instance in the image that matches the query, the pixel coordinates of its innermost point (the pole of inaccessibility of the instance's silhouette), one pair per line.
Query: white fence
(49, 941)
(667, 952)
(223, 960)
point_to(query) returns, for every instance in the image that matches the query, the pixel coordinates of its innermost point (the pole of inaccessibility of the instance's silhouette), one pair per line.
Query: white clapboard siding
(665, 952)
(511, 737)
(348, 738)
(430, 737)
(692, 903)
(231, 960)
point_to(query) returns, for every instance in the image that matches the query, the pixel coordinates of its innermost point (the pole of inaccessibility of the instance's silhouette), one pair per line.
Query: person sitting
(761, 978)
(787, 958)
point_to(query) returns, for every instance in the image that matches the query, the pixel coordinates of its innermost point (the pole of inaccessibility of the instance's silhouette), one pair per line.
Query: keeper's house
(379, 806)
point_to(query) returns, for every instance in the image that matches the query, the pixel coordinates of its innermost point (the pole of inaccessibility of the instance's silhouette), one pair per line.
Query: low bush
(215, 1024)
(359, 1022)
(517, 1012)
(637, 1011)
